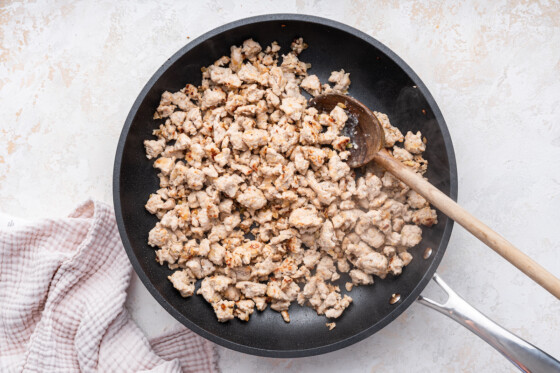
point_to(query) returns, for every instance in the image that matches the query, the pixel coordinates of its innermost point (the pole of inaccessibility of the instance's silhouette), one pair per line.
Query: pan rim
(402, 306)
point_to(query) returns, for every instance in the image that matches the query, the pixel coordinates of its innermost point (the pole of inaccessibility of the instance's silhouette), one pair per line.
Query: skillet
(383, 82)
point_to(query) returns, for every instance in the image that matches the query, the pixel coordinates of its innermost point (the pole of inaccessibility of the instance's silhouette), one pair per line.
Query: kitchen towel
(63, 286)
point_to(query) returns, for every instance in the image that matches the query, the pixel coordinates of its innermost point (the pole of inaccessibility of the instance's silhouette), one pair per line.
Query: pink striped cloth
(62, 291)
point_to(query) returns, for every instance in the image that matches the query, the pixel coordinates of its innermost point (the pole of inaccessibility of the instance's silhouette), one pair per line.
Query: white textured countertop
(69, 73)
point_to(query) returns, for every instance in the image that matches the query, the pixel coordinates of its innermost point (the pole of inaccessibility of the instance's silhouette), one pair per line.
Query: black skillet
(383, 82)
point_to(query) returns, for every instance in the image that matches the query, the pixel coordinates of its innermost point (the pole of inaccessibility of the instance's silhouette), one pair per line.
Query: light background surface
(70, 71)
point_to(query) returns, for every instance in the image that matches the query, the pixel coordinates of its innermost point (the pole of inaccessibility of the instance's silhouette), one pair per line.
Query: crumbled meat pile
(256, 199)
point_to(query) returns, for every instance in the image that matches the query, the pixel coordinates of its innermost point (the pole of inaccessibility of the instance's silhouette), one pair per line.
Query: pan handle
(519, 352)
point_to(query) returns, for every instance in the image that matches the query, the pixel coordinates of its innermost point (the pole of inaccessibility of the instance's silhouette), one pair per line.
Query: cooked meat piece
(251, 48)
(413, 143)
(251, 289)
(341, 80)
(312, 85)
(402, 154)
(244, 309)
(411, 235)
(183, 282)
(154, 147)
(415, 200)
(224, 310)
(305, 219)
(425, 216)
(212, 98)
(373, 263)
(252, 198)
(359, 277)
(392, 134)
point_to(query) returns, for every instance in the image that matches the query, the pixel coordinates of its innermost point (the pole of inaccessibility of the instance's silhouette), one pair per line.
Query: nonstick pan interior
(380, 80)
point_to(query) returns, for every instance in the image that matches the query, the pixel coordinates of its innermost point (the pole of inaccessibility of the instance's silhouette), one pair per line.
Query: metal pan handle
(519, 352)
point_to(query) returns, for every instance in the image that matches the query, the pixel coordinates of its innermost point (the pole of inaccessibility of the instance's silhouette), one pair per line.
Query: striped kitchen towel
(62, 291)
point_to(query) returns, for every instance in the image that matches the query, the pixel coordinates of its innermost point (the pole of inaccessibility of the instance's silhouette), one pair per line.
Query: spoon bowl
(365, 132)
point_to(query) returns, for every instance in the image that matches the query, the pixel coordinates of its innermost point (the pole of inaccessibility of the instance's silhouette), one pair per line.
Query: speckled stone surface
(69, 72)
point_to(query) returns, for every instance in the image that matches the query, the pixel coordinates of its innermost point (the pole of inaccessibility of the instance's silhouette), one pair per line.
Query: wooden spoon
(367, 136)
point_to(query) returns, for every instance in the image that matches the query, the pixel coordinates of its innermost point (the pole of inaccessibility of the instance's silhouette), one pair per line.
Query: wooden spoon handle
(450, 208)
